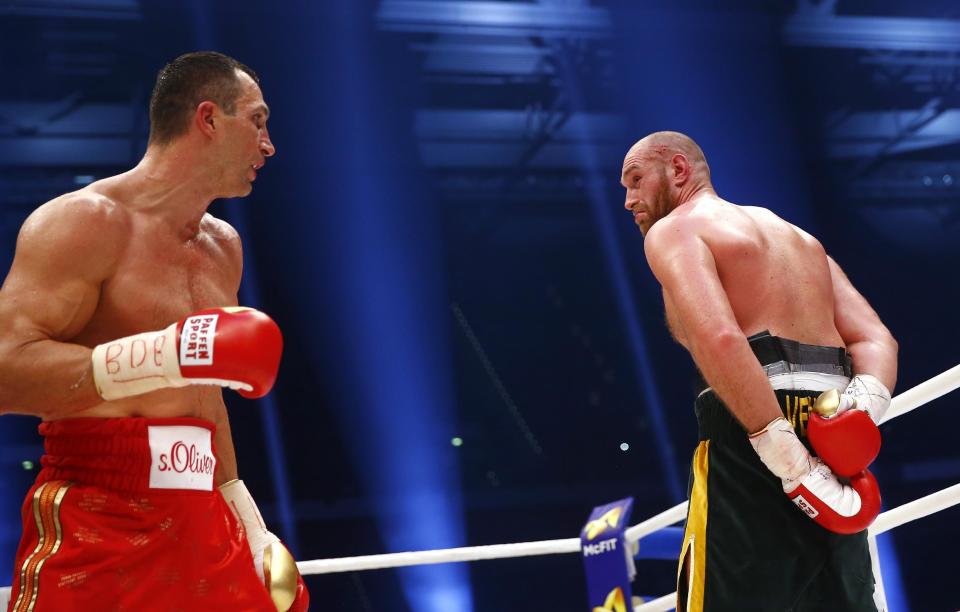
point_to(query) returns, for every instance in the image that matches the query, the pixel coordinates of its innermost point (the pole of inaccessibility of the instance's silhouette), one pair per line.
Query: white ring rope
(905, 402)
(925, 392)
(658, 522)
(445, 555)
(660, 604)
(911, 399)
(917, 509)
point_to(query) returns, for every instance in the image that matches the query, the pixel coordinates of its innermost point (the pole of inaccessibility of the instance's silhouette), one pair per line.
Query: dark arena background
(475, 349)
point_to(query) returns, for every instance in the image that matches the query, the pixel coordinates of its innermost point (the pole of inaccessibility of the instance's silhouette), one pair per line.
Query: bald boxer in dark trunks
(771, 322)
(119, 327)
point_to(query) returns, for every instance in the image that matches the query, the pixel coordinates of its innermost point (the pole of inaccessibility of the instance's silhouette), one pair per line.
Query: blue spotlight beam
(375, 252)
(892, 581)
(621, 284)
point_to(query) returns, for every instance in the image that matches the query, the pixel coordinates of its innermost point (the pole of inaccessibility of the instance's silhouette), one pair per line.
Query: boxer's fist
(272, 561)
(232, 347)
(812, 486)
(848, 442)
(843, 426)
(278, 570)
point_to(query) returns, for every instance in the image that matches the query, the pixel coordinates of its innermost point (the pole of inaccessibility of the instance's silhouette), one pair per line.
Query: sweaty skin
(730, 271)
(127, 254)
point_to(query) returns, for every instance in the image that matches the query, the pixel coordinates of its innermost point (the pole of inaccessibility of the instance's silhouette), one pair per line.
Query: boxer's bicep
(49, 295)
(63, 254)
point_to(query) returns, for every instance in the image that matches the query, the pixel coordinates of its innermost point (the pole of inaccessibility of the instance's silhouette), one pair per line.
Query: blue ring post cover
(607, 559)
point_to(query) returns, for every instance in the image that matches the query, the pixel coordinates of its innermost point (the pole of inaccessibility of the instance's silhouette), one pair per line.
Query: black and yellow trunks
(746, 546)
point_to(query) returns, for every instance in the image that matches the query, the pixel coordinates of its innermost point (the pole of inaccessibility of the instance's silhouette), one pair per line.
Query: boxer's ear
(206, 117)
(679, 170)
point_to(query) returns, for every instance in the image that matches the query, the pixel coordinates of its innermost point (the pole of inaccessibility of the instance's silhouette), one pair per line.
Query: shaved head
(662, 146)
(662, 171)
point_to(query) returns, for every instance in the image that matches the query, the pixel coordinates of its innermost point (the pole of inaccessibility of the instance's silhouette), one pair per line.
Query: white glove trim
(822, 483)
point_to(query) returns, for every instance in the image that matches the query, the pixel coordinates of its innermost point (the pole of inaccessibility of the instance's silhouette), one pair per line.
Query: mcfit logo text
(609, 520)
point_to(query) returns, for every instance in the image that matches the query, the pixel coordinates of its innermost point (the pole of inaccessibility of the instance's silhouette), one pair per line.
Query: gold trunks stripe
(46, 514)
(694, 554)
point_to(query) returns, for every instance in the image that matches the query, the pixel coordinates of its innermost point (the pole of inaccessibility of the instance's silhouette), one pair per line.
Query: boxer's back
(776, 276)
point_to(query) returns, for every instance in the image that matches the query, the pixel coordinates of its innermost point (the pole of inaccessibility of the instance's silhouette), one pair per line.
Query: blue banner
(607, 559)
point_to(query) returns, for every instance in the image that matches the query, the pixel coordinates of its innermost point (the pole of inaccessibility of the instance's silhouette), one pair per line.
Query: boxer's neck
(695, 190)
(171, 183)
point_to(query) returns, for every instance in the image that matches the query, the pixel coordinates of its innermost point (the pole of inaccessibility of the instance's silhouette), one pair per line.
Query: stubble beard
(660, 208)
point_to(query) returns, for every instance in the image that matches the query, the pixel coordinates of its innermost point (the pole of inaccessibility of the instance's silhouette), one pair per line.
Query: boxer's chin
(241, 191)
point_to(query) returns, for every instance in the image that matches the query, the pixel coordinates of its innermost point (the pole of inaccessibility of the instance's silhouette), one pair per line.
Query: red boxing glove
(301, 603)
(232, 347)
(837, 507)
(812, 486)
(847, 442)
(247, 344)
(843, 426)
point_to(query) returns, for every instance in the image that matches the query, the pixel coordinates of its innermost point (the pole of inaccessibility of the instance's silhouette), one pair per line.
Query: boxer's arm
(685, 267)
(872, 347)
(65, 250)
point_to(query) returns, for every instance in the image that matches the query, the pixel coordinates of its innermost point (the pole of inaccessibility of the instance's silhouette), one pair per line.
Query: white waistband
(808, 381)
(804, 381)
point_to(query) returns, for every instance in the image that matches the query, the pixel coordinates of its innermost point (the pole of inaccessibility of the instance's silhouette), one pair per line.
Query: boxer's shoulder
(79, 223)
(80, 207)
(669, 234)
(220, 232)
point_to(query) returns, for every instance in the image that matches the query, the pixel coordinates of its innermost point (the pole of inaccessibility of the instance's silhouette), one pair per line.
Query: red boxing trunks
(125, 516)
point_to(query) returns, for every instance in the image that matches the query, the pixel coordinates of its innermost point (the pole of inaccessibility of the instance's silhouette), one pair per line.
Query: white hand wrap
(137, 364)
(245, 509)
(867, 393)
(782, 452)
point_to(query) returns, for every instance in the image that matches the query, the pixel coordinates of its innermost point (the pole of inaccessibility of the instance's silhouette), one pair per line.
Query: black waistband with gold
(781, 356)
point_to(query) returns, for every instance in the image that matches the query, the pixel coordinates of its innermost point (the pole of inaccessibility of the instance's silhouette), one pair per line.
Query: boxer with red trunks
(119, 327)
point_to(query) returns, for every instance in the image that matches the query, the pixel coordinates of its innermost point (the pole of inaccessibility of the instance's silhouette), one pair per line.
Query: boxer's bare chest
(159, 280)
